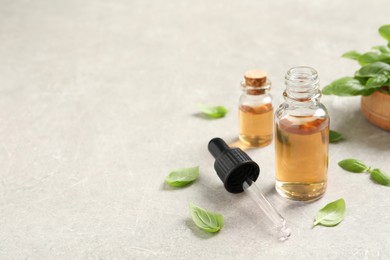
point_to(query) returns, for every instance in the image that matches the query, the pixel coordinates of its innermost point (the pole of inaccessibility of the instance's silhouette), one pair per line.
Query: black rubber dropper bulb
(238, 173)
(217, 146)
(232, 165)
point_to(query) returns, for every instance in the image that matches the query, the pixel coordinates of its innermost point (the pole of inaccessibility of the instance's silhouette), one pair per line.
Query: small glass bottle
(255, 110)
(302, 138)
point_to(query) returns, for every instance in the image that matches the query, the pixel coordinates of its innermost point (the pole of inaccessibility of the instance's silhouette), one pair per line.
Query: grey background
(98, 103)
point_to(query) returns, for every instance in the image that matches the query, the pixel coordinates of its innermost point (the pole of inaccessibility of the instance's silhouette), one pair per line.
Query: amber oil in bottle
(255, 110)
(302, 138)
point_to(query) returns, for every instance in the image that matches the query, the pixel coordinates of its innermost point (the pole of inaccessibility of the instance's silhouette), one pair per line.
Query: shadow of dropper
(238, 173)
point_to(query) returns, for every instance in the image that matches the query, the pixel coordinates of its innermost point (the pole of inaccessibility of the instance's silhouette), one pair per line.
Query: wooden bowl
(376, 108)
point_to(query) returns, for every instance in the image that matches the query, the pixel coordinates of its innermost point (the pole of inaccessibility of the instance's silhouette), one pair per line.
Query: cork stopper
(255, 78)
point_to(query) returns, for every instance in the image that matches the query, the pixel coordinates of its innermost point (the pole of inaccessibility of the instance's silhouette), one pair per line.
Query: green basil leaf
(353, 55)
(353, 165)
(373, 69)
(379, 177)
(213, 111)
(182, 177)
(384, 31)
(361, 80)
(377, 81)
(332, 214)
(346, 86)
(382, 48)
(335, 137)
(371, 57)
(206, 220)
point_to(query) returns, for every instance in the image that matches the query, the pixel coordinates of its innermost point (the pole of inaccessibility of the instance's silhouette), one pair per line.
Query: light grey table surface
(98, 102)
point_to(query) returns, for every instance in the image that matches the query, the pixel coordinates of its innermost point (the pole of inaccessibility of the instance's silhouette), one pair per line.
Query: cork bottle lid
(255, 78)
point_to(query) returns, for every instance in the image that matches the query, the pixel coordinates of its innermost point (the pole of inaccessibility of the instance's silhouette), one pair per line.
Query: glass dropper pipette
(279, 223)
(238, 173)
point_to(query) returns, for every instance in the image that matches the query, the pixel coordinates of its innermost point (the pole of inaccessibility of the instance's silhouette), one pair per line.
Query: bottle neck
(302, 85)
(256, 90)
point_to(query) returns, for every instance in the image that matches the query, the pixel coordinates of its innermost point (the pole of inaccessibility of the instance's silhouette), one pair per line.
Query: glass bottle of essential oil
(255, 110)
(302, 138)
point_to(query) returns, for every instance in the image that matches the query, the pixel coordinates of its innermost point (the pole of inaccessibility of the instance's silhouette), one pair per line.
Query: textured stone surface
(98, 102)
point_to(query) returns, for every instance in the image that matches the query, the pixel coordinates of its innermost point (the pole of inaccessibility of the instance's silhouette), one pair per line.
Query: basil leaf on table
(384, 31)
(353, 55)
(346, 86)
(182, 177)
(357, 166)
(332, 214)
(335, 137)
(353, 165)
(206, 220)
(213, 111)
(379, 177)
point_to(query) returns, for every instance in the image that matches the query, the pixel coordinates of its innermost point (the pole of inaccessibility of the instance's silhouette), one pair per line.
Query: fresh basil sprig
(182, 177)
(332, 214)
(356, 166)
(373, 75)
(206, 220)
